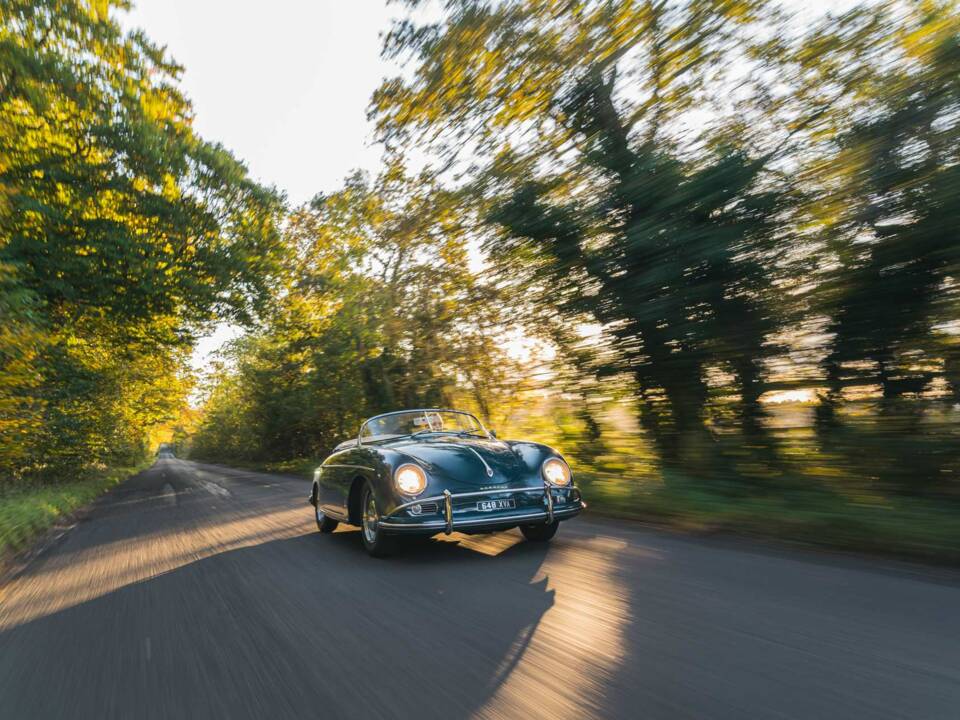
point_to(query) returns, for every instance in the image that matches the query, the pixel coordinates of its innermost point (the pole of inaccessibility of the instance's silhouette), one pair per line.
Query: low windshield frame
(423, 411)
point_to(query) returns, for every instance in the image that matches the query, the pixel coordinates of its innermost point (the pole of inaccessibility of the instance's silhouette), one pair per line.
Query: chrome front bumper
(449, 523)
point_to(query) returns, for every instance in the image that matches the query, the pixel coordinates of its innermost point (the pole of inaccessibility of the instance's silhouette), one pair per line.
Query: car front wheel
(325, 523)
(376, 542)
(540, 533)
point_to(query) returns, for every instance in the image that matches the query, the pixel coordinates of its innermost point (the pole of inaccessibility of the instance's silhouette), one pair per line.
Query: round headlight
(556, 472)
(410, 479)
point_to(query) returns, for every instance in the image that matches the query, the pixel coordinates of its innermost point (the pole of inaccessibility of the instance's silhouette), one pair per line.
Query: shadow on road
(271, 631)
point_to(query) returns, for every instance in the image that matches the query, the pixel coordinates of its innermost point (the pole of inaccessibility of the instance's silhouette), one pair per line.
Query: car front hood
(471, 460)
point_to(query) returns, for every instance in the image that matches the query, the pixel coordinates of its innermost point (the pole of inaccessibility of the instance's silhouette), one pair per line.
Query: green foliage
(381, 312)
(662, 247)
(114, 208)
(121, 233)
(896, 234)
(665, 258)
(714, 189)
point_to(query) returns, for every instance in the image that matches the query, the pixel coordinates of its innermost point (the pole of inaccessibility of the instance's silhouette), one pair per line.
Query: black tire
(375, 541)
(540, 533)
(325, 523)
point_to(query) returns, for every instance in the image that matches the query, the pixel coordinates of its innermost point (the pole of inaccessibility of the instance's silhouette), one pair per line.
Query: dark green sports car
(433, 470)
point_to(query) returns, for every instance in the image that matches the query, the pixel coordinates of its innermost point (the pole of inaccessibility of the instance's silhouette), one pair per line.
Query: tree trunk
(751, 387)
(826, 413)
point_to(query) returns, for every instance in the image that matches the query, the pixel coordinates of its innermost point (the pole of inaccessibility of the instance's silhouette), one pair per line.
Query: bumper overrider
(459, 511)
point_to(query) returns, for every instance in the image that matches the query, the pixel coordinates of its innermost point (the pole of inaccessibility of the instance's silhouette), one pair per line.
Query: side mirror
(493, 433)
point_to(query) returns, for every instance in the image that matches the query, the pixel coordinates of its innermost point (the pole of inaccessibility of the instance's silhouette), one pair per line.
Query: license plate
(488, 505)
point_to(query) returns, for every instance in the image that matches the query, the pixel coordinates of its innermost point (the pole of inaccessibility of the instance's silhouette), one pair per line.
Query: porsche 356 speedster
(430, 471)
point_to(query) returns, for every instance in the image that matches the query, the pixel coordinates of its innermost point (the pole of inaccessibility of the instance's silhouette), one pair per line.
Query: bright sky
(285, 85)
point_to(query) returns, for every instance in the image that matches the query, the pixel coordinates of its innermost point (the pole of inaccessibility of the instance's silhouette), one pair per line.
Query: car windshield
(420, 422)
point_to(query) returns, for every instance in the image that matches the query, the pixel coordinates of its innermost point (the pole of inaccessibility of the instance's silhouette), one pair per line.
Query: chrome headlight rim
(421, 474)
(567, 473)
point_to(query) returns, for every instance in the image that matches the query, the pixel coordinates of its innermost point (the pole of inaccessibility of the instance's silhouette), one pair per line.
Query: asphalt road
(198, 591)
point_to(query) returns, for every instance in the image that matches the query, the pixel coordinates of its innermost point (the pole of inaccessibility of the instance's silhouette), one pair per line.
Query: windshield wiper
(459, 433)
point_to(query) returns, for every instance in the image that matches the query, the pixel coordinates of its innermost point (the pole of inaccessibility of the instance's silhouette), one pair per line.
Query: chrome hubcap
(370, 520)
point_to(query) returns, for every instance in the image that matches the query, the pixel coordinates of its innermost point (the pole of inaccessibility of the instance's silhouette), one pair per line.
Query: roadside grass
(28, 509)
(910, 527)
(300, 467)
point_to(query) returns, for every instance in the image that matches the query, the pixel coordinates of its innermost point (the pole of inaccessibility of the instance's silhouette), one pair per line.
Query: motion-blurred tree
(896, 179)
(610, 210)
